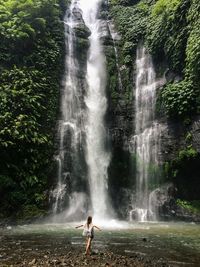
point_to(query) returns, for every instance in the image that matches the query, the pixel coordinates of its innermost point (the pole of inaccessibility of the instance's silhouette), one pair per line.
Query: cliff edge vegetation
(31, 56)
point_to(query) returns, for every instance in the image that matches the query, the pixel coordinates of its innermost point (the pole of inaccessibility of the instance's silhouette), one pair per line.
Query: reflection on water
(178, 243)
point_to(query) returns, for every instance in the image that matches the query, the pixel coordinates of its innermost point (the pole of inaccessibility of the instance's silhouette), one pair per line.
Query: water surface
(176, 243)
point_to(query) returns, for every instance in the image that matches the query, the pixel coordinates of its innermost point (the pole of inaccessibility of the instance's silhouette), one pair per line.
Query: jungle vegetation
(31, 64)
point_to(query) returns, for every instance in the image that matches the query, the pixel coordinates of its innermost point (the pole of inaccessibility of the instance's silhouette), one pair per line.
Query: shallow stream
(176, 243)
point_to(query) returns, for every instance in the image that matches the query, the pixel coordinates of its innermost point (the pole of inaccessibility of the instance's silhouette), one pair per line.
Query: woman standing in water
(88, 232)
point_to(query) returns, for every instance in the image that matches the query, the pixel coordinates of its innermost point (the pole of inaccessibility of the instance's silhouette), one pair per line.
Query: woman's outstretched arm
(79, 226)
(97, 227)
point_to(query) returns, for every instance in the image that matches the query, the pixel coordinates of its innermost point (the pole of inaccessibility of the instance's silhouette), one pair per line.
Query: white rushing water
(80, 121)
(147, 137)
(98, 157)
(71, 124)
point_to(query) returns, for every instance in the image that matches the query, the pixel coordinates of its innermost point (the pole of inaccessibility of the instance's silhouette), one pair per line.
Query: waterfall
(71, 124)
(97, 153)
(147, 137)
(82, 126)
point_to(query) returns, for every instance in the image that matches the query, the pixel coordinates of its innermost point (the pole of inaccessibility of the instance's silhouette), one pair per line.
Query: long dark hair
(89, 220)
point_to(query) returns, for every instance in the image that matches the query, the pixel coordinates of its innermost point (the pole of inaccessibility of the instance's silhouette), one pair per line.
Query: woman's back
(88, 230)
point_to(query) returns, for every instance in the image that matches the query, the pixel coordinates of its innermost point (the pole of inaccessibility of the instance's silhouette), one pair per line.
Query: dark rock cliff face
(175, 146)
(174, 137)
(119, 121)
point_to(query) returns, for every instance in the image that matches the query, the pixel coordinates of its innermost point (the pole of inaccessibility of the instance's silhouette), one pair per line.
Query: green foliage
(170, 30)
(193, 53)
(193, 45)
(112, 84)
(31, 52)
(179, 99)
(23, 25)
(183, 158)
(131, 22)
(187, 154)
(167, 32)
(163, 6)
(174, 34)
(188, 137)
(21, 105)
(28, 212)
(183, 171)
(191, 206)
(124, 2)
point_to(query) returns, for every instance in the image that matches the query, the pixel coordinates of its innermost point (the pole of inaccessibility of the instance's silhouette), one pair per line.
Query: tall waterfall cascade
(97, 153)
(82, 123)
(147, 138)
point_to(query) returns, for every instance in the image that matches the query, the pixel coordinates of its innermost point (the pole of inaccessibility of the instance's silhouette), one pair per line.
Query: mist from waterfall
(147, 137)
(97, 152)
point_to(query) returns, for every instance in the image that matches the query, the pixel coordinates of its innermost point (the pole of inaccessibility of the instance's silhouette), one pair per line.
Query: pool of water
(176, 243)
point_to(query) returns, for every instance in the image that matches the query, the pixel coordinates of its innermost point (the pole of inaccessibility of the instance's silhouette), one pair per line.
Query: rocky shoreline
(75, 257)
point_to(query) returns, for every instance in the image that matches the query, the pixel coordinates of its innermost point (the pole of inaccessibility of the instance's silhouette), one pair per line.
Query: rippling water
(177, 243)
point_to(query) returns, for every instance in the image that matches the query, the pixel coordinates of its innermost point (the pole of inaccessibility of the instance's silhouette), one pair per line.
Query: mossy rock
(82, 31)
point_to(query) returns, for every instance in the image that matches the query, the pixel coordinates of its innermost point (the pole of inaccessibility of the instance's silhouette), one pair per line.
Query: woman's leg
(88, 245)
